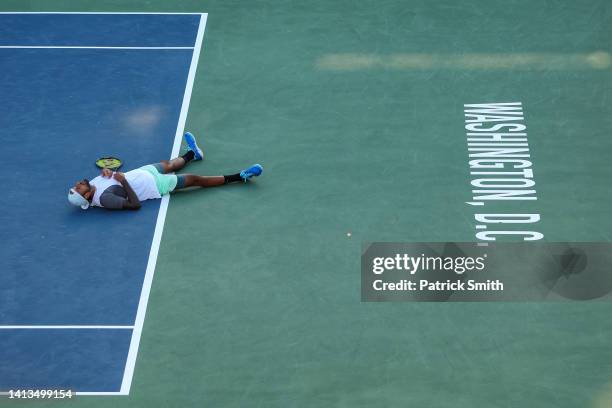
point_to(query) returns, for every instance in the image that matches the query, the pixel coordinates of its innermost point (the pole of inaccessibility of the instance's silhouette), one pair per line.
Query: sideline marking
(161, 218)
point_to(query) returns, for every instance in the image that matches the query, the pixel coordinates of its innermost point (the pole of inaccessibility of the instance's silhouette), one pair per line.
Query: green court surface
(356, 111)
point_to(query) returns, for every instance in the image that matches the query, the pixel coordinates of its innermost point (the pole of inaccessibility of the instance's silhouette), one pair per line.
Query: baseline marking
(99, 12)
(56, 327)
(161, 218)
(77, 47)
(80, 393)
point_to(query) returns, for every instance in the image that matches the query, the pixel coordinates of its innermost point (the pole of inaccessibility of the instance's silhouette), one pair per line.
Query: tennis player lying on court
(119, 191)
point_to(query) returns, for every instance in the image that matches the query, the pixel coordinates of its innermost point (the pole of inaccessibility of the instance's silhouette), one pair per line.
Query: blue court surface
(76, 87)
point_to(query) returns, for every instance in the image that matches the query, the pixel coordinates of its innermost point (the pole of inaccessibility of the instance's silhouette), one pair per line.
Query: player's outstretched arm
(132, 202)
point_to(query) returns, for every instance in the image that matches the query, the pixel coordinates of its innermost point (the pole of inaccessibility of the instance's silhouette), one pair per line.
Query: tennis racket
(110, 162)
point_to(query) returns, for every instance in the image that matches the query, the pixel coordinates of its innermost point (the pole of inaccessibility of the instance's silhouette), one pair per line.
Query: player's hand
(120, 177)
(107, 173)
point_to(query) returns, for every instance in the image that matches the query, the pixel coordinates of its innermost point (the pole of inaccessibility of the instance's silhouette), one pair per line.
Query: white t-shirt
(141, 181)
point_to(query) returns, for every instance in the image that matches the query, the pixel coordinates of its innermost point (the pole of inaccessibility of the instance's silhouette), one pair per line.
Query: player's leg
(176, 164)
(193, 146)
(170, 166)
(192, 180)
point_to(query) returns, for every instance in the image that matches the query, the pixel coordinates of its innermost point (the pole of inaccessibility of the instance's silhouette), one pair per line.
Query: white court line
(99, 12)
(94, 47)
(54, 327)
(161, 217)
(97, 393)
(80, 393)
(597, 59)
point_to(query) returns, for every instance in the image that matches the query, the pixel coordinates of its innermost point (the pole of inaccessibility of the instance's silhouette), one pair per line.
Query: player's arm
(132, 202)
(107, 173)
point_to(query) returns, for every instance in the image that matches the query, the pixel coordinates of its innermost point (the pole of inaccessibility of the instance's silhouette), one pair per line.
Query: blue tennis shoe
(193, 146)
(253, 171)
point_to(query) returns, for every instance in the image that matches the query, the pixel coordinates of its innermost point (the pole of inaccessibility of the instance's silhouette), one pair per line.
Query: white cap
(77, 200)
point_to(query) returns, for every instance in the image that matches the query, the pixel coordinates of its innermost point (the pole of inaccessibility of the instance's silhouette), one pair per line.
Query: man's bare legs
(192, 180)
(173, 165)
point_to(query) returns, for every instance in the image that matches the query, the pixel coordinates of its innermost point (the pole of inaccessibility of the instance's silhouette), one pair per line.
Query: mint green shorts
(165, 183)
